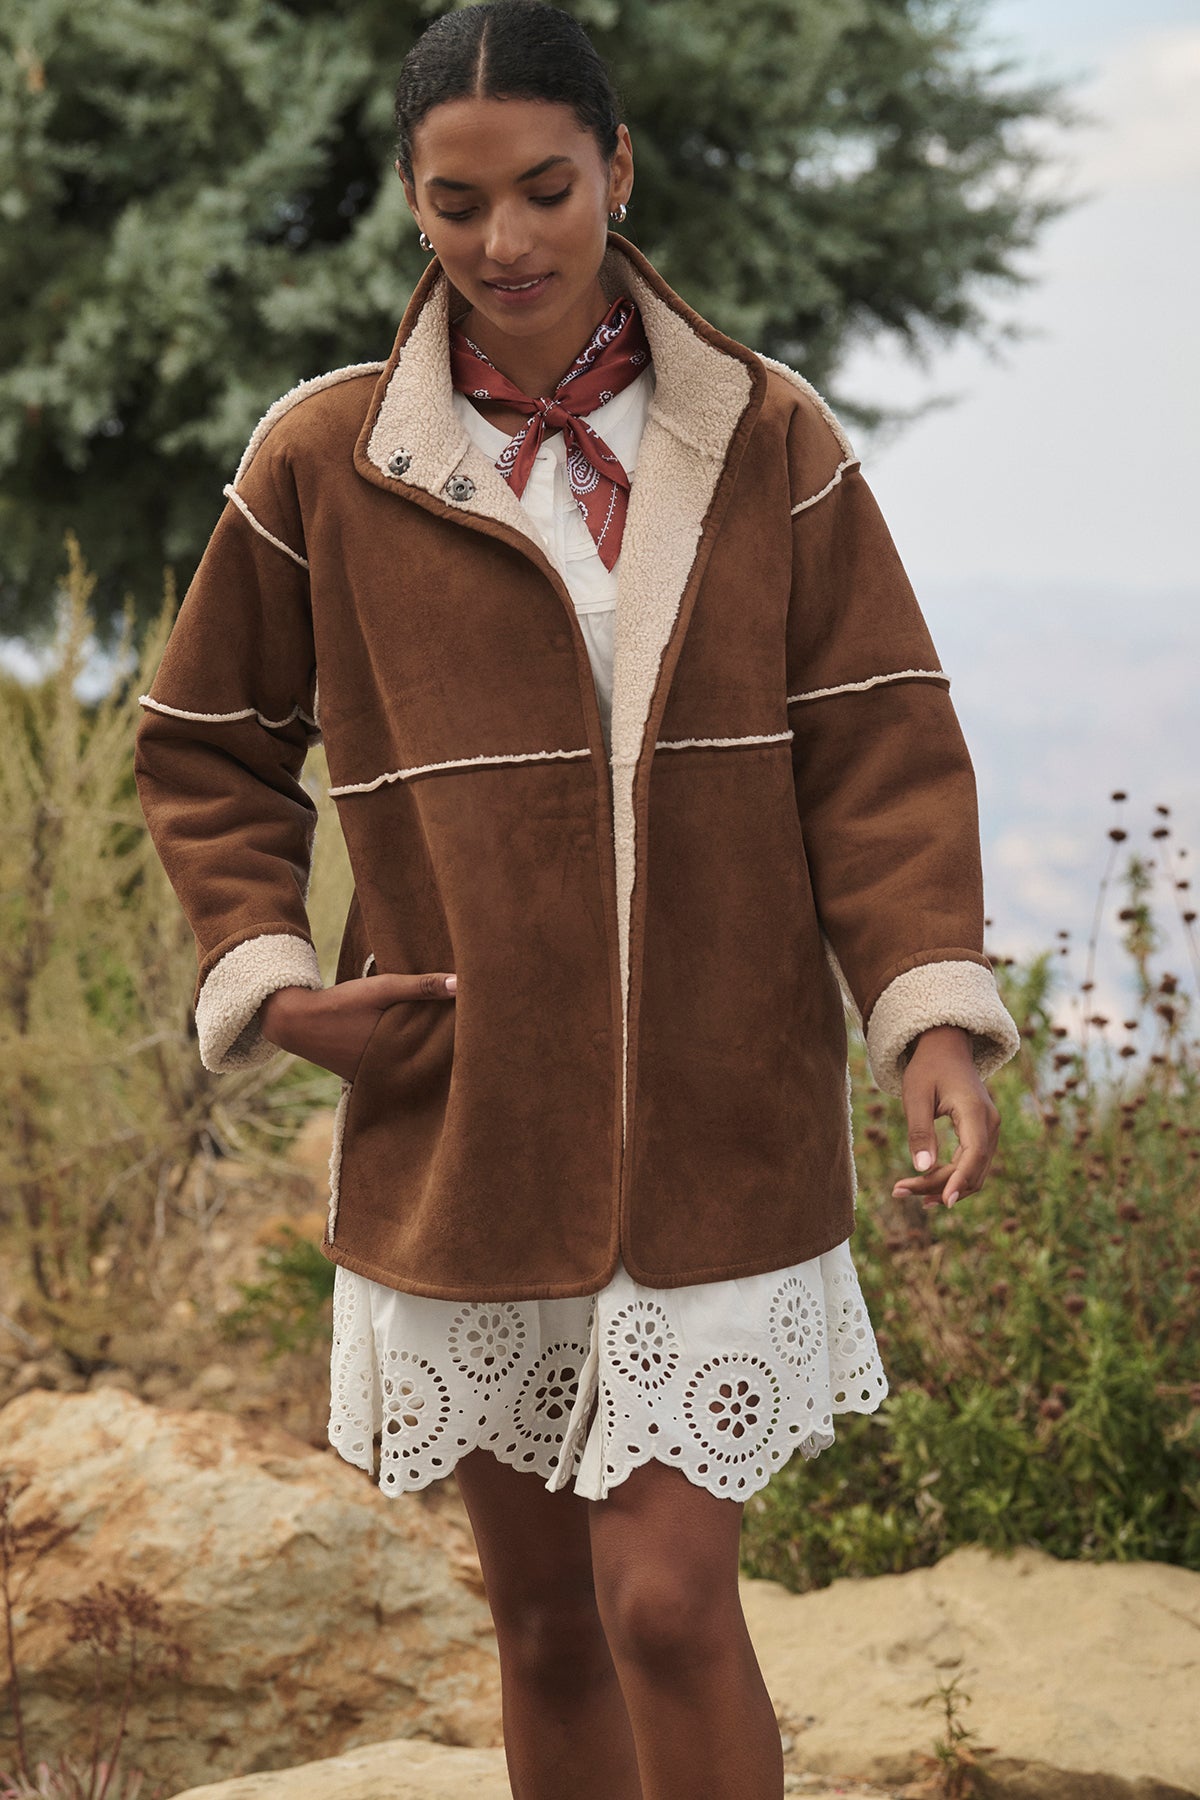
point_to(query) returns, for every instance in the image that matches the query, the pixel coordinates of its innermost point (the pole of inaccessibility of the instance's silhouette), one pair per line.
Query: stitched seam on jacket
(231, 493)
(213, 718)
(686, 744)
(850, 462)
(460, 762)
(855, 687)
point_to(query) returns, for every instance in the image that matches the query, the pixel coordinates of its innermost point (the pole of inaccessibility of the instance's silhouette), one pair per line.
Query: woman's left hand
(941, 1080)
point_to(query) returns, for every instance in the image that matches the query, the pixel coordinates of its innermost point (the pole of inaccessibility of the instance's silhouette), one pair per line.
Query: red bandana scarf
(615, 354)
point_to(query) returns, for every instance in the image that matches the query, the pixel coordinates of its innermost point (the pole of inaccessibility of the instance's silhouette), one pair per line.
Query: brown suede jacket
(655, 954)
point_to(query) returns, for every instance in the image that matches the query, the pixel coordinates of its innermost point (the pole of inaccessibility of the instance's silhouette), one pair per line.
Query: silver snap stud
(459, 487)
(399, 462)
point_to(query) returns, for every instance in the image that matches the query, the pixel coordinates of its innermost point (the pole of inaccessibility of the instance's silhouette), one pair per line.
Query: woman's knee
(669, 1619)
(552, 1638)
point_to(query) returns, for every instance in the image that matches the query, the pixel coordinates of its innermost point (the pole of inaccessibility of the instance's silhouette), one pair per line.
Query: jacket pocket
(402, 1073)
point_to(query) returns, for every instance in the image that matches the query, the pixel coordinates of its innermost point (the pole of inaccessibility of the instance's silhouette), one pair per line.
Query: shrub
(1041, 1338)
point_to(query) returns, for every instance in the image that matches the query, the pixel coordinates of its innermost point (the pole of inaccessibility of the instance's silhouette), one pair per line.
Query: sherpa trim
(335, 1158)
(335, 1148)
(236, 986)
(721, 743)
(856, 687)
(417, 414)
(700, 395)
(850, 1135)
(246, 712)
(460, 762)
(822, 405)
(842, 468)
(231, 493)
(301, 391)
(939, 993)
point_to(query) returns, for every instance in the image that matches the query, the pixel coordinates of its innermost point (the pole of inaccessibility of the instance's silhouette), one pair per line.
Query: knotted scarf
(615, 354)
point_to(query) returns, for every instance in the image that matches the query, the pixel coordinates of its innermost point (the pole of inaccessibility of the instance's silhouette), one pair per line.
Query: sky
(1048, 516)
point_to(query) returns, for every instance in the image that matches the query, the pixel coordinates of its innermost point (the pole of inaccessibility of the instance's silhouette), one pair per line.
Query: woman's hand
(941, 1080)
(330, 1026)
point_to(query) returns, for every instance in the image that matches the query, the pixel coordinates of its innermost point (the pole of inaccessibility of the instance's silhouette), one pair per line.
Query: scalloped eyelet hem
(724, 1380)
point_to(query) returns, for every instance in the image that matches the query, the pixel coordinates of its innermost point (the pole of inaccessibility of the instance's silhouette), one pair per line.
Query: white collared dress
(725, 1379)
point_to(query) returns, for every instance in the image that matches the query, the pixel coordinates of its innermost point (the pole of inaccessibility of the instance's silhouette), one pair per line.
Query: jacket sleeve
(884, 782)
(218, 752)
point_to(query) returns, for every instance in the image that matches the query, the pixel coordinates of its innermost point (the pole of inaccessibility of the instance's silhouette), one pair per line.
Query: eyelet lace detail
(725, 1380)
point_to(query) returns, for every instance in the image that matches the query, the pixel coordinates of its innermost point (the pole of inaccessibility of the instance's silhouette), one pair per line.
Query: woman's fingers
(976, 1124)
(977, 1145)
(384, 989)
(940, 1080)
(331, 1026)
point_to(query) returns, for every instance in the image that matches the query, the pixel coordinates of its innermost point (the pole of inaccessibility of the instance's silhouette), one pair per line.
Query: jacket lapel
(706, 386)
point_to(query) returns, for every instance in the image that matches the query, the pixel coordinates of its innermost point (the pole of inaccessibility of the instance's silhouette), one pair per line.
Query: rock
(217, 1378)
(320, 1614)
(414, 1770)
(53, 1371)
(408, 1770)
(113, 1378)
(161, 1383)
(1081, 1676)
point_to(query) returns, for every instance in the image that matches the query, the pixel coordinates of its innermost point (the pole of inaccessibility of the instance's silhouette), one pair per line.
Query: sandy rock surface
(318, 1612)
(1083, 1677)
(422, 1771)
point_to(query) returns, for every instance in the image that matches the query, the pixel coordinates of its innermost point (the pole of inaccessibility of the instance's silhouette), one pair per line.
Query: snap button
(459, 487)
(399, 462)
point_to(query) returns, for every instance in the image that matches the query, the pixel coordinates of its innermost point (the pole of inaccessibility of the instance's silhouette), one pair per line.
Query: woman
(643, 780)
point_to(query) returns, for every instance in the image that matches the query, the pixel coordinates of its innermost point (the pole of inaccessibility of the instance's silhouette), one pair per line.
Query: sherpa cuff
(235, 987)
(939, 993)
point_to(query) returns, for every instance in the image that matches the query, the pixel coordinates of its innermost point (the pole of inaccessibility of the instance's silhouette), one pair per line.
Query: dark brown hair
(506, 50)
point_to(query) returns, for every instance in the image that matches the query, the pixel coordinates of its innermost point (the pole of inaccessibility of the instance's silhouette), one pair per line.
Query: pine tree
(198, 209)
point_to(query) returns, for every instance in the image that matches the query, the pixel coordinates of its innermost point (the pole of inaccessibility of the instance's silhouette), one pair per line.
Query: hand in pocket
(330, 1026)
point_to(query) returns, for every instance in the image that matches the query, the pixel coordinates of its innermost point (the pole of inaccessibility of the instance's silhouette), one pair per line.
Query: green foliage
(1041, 1339)
(291, 1301)
(198, 209)
(117, 1147)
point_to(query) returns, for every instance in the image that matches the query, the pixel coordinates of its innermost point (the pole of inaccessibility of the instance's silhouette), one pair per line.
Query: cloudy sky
(1048, 517)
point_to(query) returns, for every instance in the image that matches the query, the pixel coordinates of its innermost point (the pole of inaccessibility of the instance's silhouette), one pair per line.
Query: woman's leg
(665, 1568)
(566, 1729)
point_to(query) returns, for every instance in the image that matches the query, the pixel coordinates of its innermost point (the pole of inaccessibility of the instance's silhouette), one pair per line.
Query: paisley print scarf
(615, 354)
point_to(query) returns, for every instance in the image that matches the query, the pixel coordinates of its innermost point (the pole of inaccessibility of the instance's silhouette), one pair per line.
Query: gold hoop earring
(425, 243)
(619, 215)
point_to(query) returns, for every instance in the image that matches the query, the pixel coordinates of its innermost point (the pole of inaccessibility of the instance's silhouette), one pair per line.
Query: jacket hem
(939, 992)
(839, 1233)
(373, 1271)
(234, 989)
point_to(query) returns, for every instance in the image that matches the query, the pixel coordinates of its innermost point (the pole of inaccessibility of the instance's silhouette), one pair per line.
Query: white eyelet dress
(723, 1379)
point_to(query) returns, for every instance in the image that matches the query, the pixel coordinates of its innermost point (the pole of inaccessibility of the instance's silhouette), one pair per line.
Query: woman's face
(516, 191)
